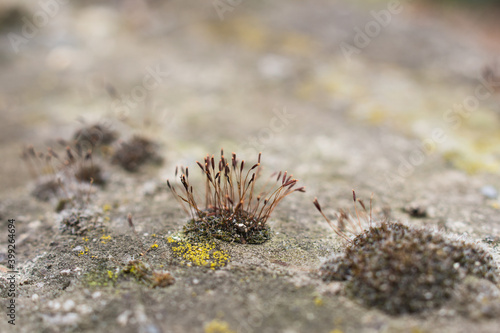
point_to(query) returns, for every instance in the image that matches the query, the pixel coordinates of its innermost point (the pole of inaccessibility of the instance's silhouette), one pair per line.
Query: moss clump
(94, 135)
(66, 176)
(90, 173)
(235, 209)
(404, 270)
(229, 227)
(137, 151)
(46, 188)
(205, 254)
(77, 221)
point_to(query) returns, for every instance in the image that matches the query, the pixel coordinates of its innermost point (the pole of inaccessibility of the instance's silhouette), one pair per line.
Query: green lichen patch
(399, 269)
(135, 269)
(102, 276)
(144, 274)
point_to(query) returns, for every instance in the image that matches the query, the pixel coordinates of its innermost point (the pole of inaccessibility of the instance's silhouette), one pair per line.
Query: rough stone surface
(399, 118)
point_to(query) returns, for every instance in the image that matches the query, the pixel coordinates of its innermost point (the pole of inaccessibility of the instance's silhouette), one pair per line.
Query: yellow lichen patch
(84, 252)
(471, 162)
(306, 90)
(106, 207)
(377, 116)
(218, 326)
(154, 246)
(199, 254)
(297, 44)
(249, 32)
(105, 238)
(318, 301)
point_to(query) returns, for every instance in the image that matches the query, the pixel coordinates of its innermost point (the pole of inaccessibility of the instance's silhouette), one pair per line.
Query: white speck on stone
(84, 309)
(77, 248)
(122, 319)
(489, 191)
(66, 272)
(151, 328)
(149, 188)
(54, 305)
(35, 297)
(35, 225)
(68, 305)
(62, 319)
(96, 295)
(196, 281)
(274, 66)
(140, 314)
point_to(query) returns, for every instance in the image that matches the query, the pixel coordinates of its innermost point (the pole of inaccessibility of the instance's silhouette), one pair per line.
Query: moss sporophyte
(236, 209)
(66, 176)
(401, 269)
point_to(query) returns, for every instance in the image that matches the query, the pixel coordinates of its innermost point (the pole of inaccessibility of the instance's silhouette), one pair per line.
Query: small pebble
(151, 328)
(416, 209)
(77, 248)
(35, 225)
(489, 192)
(62, 320)
(54, 305)
(149, 188)
(84, 309)
(68, 305)
(122, 319)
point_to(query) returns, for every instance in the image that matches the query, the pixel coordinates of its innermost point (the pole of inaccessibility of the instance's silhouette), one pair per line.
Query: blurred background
(331, 88)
